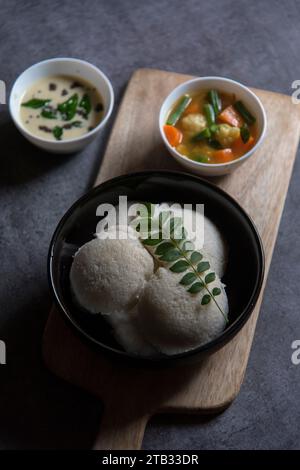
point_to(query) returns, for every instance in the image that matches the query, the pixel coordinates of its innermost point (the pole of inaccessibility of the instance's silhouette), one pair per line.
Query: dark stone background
(256, 43)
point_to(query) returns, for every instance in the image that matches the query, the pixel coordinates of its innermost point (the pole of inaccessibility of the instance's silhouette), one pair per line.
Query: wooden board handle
(121, 429)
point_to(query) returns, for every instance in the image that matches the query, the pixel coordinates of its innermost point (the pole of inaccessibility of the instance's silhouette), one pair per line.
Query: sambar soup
(211, 127)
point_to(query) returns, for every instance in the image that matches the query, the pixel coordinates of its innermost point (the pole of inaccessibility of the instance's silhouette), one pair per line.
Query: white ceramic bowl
(61, 66)
(243, 93)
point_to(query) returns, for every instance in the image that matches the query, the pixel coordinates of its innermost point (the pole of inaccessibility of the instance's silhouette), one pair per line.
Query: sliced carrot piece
(173, 135)
(230, 116)
(223, 156)
(240, 148)
(193, 108)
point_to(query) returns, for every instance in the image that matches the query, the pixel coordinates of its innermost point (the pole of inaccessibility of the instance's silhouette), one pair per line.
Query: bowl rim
(57, 143)
(216, 165)
(217, 342)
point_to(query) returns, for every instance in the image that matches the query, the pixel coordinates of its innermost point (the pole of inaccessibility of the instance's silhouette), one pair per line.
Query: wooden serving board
(131, 395)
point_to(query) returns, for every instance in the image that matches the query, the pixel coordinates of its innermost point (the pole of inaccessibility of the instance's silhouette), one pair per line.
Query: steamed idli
(128, 334)
(108, 275)
(173, 320)
(150, 312)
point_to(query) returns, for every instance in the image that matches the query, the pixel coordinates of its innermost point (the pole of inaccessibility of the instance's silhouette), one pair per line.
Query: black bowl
(244, 273)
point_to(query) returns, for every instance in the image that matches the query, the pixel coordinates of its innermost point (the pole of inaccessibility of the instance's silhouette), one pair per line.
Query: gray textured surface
(254, 42)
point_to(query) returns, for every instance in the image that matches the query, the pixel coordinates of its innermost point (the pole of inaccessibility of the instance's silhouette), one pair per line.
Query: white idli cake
(175, 321)
(109, 275)
(129, 335)
(159, 298)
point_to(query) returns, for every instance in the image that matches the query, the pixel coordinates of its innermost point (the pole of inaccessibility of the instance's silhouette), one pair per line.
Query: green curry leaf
(86, 104)
(57, 132)
(68, 108)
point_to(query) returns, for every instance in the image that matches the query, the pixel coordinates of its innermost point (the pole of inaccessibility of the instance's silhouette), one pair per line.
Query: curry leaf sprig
(168, 243)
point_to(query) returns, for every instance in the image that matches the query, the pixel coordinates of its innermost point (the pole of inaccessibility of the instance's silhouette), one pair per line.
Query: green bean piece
(215, 100)
(245, 133)
(246, 115)
(213, 128)
(201, 158)
(179, 110)
(209, 114)
(214, 143)
(205, 134)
